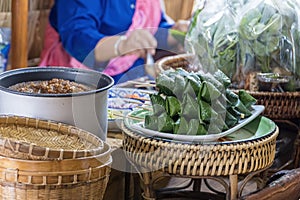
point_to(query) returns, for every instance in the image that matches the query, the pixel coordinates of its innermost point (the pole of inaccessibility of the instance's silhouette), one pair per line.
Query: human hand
(181, 25)
(177, 35)
(138, 42)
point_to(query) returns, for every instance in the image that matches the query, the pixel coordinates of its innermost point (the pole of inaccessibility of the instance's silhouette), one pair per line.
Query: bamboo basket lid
(35, 139)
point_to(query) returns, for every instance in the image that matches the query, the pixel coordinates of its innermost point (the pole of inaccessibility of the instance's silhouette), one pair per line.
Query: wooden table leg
(19, 39)
(233, 179)
(127, 185)
(197, 185)
(148, 190)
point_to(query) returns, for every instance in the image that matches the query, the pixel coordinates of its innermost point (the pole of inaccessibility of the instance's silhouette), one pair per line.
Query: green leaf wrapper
(220, 123)
(222, 78)
(182, 72)
(208, 92)
(190, 107)
(214, 129)
(173, 106)
(232, 97)
(206, 113)
(219, 107)
(235, 113)
(192, 86)
(230, 120)
(158, 104)
(165, 123)
(181, 126)
(211, 79)
(151, 122)
(242, 108)
(246, 99)
(179, 86)
(165, 84)
(180, 110)
(196, 128)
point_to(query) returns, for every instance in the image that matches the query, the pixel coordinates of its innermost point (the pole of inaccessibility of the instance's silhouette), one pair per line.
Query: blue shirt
(82, 23)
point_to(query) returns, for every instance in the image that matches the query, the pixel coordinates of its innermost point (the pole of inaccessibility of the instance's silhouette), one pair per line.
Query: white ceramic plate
(137, 126)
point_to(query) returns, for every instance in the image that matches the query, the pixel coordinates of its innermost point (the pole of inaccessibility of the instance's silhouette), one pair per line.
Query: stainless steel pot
(86, 110)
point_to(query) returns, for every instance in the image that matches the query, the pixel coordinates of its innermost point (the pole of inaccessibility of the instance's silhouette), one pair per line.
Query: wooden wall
(179, 9)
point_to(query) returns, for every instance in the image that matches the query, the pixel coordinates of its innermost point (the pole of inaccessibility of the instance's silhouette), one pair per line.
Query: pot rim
(11, 73)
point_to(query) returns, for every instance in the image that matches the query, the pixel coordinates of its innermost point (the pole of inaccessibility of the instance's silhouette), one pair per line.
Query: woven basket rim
(89, 174)
(161, 62)
(48, 186)
(200, 159)
(126, 130)
(61, 128)
(265, 93)
(78, 163)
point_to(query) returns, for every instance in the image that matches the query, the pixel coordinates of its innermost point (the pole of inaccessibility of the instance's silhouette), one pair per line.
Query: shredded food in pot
(53, 86)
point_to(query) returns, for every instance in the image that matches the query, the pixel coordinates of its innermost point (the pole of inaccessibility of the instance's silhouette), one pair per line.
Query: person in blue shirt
(112, 36)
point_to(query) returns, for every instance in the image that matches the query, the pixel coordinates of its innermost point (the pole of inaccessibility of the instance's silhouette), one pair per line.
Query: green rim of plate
(259, 128)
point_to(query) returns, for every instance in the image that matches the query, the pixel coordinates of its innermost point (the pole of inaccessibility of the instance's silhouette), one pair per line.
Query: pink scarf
(147, 15)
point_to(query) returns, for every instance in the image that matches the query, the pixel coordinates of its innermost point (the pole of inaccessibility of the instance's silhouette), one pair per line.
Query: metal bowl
(86, 110)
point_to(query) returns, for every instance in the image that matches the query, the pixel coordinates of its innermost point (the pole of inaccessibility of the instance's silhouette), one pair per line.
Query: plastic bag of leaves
(242, 37)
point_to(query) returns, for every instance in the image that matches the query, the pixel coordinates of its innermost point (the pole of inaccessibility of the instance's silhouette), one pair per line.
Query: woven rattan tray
(215, 159)
(278, 105)
(30, 138)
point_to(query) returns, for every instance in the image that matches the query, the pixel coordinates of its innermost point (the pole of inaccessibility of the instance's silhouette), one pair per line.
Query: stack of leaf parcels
(193, 103)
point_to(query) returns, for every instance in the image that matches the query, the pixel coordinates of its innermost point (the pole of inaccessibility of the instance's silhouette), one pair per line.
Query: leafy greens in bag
(242, 37)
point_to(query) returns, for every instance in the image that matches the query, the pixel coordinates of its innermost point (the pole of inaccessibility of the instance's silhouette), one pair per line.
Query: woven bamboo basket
(75, 173)
(93, 190)
(65, 165)
(207, 159)
(278, 105)
(89, 184)
(45, 180)
(284, 105)
(30, 138)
